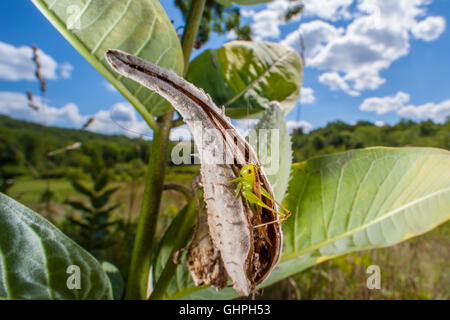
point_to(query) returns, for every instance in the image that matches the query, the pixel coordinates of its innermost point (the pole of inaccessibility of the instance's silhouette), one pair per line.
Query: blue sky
(375, 60)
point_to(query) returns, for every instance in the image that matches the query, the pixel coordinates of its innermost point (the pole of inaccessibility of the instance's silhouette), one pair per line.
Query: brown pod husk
(203, 259)
(249, 254)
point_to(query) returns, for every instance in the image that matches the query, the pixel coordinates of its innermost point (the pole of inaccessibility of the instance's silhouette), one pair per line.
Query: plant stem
(190, 31)
(151, 201)
(148, 218)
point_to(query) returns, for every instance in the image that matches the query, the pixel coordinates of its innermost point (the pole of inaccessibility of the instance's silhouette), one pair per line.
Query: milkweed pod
(248, 258)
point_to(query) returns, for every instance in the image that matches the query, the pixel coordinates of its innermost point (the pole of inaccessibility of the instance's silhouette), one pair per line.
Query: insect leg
(252, 198)
(266, 194)
(238, 189)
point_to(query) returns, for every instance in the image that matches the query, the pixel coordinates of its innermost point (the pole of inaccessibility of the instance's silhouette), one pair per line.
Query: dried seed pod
(249, 254)
(204, 260)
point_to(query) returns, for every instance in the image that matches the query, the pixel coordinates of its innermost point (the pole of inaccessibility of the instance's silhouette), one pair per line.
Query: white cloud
(437, 112)
(379, 34)
(307, 96)
(15, 104)
(66, 70)
(121, 118)
(315, 34)
(336, 82)
(429, 29)
(108, 86)
(385, 104)
(181, 133)
(380, 123)
(16, 64)
(267, 22)
(329, 10)
(306, 126)
(231, 35)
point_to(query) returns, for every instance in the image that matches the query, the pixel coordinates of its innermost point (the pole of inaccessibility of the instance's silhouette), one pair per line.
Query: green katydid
(251, 189)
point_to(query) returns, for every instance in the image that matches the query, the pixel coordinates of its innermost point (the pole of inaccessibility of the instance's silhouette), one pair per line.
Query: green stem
(148, 219)
(190, 31)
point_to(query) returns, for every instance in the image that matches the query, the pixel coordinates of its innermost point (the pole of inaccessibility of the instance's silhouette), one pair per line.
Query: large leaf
(245, 76)
(116, 279)
(140, 27)
(357, 200)
(35, 257)
(273, 144)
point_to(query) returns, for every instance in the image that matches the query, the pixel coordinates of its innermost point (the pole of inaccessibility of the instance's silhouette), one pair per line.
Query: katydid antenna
(140, 134)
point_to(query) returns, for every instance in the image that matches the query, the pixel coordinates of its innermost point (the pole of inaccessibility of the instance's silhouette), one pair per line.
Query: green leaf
(245, 76)
(273, 143)
(362, 199)
(101, 181)
(80, 187)
(116, 279)
(78, 205)
(139, 27)
(102, 199)
(357, 200)
(35, 256)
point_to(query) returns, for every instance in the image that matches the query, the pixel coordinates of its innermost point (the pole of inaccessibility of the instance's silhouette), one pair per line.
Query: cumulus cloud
(66, 70)
(181, 133)
(315, 35)
(336, 82)
(121, 118)
(328, 10)
(16, 64)
(380, 123)
(429, 29)
(306, 126)
(380, 33)
(108, 86)
(398, 103)
(385, 104)
(435, 111)
(266, 23)
(307, 96)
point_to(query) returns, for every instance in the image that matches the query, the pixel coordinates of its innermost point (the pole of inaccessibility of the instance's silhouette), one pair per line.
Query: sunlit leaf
(36, 259)
(246, 76)
(139, 27)
(356, 200)
(273, 144)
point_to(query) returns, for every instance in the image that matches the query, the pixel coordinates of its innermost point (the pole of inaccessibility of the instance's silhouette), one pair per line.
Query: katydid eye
(249, 170)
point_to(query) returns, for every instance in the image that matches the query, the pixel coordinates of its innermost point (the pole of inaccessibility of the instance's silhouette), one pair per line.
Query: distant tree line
(21, 145)
(339, 136)
(23, 142)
